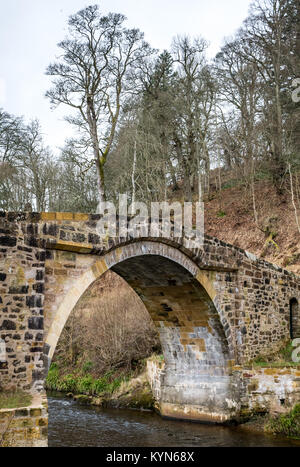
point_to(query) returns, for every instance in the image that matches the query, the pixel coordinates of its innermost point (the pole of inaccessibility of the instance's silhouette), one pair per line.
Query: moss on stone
(14, 399)
(83, 399)
(134, 394)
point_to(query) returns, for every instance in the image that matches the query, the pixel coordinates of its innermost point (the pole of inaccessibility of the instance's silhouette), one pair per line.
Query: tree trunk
(133, 174)
(99, 160)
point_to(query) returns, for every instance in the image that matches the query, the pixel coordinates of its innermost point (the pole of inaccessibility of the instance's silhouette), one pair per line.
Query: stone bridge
(216, 308)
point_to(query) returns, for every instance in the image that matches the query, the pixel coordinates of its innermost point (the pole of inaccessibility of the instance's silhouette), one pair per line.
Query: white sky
(30, 30)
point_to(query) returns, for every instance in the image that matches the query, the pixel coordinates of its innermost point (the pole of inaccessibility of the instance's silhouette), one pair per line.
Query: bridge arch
(182, 301)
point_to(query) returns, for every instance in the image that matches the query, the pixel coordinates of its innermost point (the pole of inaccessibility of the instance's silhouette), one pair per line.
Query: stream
(75, 425)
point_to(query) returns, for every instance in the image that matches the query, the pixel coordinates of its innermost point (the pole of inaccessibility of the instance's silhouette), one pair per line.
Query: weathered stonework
(275, 390)
(21, 303)
(215, 307)
(25, 426)
(261, 390)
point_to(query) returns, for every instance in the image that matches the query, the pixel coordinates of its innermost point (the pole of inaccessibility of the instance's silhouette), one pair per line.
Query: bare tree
(269, 38)
(194, 105)
(27, 166)
(94, 73)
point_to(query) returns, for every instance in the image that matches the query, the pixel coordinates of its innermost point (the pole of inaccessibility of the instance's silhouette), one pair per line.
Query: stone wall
(155, 369)
(274, 390)
(25, 427)
(262, 390)
(22, 267)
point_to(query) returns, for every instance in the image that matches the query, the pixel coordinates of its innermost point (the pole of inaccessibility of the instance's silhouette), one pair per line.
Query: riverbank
(287, 425)
(134, 393)
(129, 389)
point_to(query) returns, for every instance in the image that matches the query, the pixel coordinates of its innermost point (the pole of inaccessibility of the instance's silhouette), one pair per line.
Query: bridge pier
(206, 398)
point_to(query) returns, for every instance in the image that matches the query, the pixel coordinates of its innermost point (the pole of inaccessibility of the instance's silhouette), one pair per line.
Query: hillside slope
(229, 217)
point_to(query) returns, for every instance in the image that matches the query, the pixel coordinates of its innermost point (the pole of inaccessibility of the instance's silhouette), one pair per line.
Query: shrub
(108, 329)
(115, 384)
(52, 379)
(87, 366)
(68, 384)
(288, 425)
(85, 384)
(99, 385)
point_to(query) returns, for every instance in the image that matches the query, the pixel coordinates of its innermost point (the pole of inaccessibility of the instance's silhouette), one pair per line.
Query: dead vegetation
(109, 330)
(277, 240)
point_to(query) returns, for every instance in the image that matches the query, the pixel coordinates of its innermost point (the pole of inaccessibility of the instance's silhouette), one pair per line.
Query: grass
(288, 425)
(82, 384)
(282, 359)
(15, 399)
(156, 357)
(278, 364)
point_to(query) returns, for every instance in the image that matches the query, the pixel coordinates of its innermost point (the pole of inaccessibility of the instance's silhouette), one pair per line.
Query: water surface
(73, 425)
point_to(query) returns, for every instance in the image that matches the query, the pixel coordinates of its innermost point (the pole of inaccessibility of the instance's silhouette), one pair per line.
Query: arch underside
(196, 382)
(196, 378)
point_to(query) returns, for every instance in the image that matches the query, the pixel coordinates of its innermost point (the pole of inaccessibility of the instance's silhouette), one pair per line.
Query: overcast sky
(30, 30)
